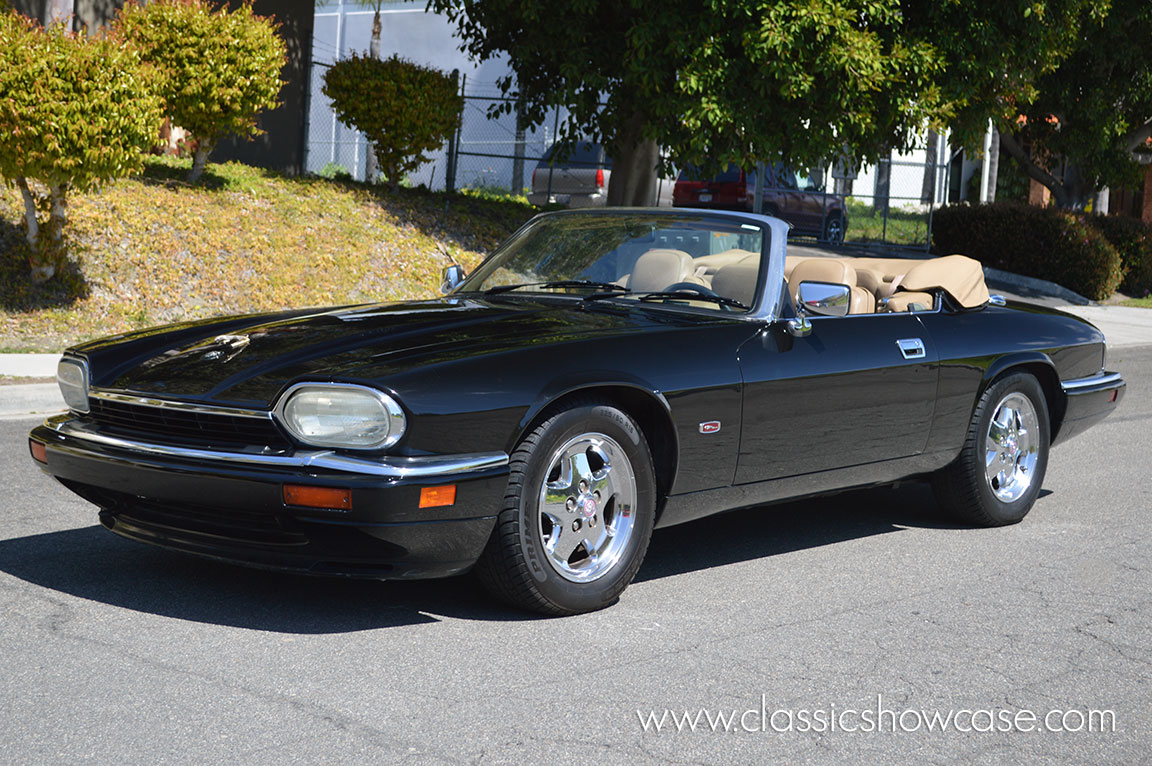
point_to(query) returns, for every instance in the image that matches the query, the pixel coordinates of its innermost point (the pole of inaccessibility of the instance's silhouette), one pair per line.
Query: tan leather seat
(835, 271)
(738, 280)
(910, 301)
(716, 261)
(658, 268)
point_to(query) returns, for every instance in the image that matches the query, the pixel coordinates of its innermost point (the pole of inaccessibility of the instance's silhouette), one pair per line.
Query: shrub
(1033, 241)
(404, 109)
(1133, 239)
(334, 171)
(75, 113)
(218, 68)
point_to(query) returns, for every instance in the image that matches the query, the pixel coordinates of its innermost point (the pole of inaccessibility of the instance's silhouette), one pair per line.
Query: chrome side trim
(172, 404)
(1101, 381)
(384, 467)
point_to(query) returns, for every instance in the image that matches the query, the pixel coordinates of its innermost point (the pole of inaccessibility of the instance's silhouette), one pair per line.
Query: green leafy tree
(75, 113)
(1094, 111)
(404, 109)
(717, 81)
(219, 68)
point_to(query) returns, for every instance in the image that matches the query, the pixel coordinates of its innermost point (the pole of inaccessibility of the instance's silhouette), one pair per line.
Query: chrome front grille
(181, 423)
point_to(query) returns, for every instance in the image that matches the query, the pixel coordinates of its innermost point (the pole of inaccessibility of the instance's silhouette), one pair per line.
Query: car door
(858, 389)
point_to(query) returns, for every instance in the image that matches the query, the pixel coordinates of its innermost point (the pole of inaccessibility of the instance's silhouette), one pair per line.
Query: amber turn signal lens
(431, 497)
(318, 497)
(39, 451)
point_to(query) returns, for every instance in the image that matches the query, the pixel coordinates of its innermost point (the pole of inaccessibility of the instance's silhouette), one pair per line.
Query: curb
(30, 399)
(1041, 286)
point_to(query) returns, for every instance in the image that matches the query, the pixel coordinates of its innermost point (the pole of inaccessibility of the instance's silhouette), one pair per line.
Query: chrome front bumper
(231, 505)
(432, 466)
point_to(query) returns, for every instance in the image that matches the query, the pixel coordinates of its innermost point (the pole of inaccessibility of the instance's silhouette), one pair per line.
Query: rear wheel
(998, 474)
(834, 227)
(577, 516)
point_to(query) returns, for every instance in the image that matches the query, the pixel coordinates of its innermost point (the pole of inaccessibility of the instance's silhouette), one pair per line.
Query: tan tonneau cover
(958, 275)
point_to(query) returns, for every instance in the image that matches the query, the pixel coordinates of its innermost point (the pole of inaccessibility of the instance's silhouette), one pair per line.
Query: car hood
(249, 365)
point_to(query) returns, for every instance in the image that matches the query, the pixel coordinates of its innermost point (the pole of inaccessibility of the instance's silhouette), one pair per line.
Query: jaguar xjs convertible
(601, 374)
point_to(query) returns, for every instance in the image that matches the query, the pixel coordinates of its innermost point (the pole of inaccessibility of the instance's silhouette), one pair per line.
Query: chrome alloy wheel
(1011, 447)
(586, 507)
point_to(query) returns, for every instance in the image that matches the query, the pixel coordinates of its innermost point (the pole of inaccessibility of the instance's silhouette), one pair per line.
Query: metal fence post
(450, 161)
(518, 151)
(552, 160)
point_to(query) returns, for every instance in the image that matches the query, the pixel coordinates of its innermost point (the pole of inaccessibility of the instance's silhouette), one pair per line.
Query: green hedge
(1033, 241)
(1133, 239)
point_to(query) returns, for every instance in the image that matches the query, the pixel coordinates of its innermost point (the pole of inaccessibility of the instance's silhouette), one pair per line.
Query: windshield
(701, 261)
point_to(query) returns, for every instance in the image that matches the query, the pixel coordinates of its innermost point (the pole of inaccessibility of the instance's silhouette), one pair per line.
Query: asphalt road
(114, 652)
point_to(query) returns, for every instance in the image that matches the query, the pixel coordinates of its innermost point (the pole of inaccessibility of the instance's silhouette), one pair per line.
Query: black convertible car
(601, 374)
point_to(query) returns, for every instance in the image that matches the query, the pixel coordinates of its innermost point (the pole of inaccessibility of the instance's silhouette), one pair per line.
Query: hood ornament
(225, 347)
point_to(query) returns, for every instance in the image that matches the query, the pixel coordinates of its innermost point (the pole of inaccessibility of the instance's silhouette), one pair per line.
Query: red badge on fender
(711, 427)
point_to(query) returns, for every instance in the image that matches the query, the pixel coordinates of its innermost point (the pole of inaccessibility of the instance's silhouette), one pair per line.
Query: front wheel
(998, 474)
(577, 516)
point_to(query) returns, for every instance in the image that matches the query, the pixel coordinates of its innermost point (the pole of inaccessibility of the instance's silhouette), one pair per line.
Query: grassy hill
(153, 249)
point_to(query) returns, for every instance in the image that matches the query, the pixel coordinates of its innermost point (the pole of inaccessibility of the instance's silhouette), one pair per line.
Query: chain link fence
(888, 204)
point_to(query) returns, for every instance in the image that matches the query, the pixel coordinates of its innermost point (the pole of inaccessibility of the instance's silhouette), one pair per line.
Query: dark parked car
(575, 175)
(578, 176)
(798, 198)
(601, 374)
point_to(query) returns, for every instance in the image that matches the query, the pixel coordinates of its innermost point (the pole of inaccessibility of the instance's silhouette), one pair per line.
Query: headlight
(72, 377)
(341, 415)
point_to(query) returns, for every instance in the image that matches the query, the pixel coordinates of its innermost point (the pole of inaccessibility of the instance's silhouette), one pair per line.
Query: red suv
(799, 200)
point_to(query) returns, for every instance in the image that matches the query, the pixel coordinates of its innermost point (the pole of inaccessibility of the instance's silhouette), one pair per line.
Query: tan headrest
(658, 268)
(958, 275)
(738, 281)
(820, 270)
(869, 279)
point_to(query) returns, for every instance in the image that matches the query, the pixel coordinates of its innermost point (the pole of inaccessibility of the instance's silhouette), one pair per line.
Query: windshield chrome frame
(773, 246)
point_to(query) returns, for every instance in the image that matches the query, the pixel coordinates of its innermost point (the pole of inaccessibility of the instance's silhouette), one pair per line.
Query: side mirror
(830, 299)
(822, 299)
(453, 276)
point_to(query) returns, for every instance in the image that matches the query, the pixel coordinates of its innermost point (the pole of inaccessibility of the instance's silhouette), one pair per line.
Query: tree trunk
(634, 161)
(883, 182)
(928, 186)
(1060, 192)
(43, 255)
(377, 28)
(30, 221)
(203, 149)
(371, 163)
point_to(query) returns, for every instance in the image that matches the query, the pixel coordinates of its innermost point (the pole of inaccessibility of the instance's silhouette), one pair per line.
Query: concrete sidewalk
(1121, 325)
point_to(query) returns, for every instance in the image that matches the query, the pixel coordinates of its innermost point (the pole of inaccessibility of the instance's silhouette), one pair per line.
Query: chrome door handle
(911, 348)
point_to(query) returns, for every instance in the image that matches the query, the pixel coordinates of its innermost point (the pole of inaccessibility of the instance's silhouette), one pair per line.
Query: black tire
(964, 489)
(515, 566)
(835, 226)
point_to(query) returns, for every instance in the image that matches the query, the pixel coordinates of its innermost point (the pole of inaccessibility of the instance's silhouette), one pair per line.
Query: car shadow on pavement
(93, 564)
(769, 530)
